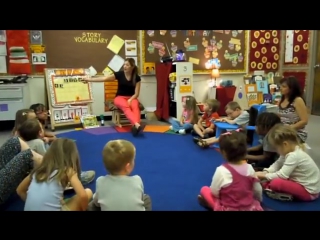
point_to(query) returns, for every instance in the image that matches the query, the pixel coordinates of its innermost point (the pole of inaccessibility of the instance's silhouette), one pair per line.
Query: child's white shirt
(299, 167)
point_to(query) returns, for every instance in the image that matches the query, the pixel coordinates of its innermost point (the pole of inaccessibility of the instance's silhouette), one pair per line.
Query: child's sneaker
(278, 196)
(182, 131)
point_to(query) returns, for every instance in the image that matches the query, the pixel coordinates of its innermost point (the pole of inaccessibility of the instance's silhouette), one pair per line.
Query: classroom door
(316, 84)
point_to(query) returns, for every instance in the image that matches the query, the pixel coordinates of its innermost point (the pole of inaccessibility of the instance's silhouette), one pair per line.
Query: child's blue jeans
(176, 126)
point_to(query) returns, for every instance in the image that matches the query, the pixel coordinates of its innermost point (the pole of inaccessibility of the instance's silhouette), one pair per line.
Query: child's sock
(182, 131)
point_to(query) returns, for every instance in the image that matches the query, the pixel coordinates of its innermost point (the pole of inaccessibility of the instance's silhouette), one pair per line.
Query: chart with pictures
(227, 49)
(300, 41)
(264, 50)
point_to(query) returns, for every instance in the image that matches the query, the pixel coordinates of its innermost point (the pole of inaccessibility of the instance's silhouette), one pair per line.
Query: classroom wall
(148, 92)
(148, 86)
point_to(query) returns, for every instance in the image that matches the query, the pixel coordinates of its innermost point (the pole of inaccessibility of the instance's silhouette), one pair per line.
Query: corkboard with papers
(227, 49)
(85, 48)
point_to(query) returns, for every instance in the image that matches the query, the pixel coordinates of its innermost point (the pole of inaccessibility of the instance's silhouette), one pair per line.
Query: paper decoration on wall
(300, 47)
(185, 84)
(35, 37)
(262, 86)
(264, 50)
(240, 97)
(18, 51)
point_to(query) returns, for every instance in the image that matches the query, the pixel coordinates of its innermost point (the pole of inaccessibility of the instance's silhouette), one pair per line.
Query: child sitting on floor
(43, 189)
(31, 132)
(235, 115)
(189, 116)
(118, 191)
(42, 114)
(234, 186)
(211, 107)
(294, 175)
(22, 115)
(264, 155)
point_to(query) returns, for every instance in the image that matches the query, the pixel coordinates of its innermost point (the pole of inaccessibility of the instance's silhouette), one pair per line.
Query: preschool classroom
(217, 64)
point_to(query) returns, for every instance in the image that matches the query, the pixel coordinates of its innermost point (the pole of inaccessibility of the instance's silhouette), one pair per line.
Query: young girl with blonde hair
(188, 118)
(294, 175)
(43, 189)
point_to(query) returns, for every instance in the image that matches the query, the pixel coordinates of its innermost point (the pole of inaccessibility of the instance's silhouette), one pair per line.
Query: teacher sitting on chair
(129, 83)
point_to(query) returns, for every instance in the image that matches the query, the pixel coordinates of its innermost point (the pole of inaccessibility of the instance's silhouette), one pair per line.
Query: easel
(69, 112)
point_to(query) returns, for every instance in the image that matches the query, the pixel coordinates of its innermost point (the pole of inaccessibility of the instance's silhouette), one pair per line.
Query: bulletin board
(300, 75)
(300, 42)
(40, 49)
(85, 48)
(264, 52)
(228, 48)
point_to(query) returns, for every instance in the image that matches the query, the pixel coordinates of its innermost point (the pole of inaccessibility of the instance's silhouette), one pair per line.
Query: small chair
(220, 127)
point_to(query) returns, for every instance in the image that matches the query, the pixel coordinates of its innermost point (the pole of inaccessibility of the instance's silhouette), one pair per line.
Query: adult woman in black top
(129, 83)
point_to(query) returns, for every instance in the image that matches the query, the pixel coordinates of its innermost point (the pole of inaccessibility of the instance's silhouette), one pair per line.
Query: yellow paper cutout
(70, 90)
(185, 89)
(107, 71)
(37, 48)
(115, 44)
(194, 60)
(149, 68)
(235, 41)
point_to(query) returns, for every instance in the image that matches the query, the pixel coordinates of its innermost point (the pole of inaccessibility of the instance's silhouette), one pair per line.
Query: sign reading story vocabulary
(66, 87)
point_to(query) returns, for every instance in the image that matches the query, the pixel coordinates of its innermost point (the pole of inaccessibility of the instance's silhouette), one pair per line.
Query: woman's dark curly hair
(294, 89)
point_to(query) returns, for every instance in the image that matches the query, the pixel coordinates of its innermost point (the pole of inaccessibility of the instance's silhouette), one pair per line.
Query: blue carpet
(290, 206)
(172, 167)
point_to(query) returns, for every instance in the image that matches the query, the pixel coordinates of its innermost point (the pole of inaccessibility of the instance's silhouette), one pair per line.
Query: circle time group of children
(279, 166)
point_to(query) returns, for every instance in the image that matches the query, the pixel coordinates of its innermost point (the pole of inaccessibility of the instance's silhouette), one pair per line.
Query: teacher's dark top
(125, 87)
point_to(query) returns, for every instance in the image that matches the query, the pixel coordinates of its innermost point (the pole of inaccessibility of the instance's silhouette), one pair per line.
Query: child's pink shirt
(186, 114)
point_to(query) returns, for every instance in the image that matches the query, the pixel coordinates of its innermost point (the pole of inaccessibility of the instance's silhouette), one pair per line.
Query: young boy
(235, 115)
(211, 107)
(118, 191)
(31, 131)
(264, 155)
